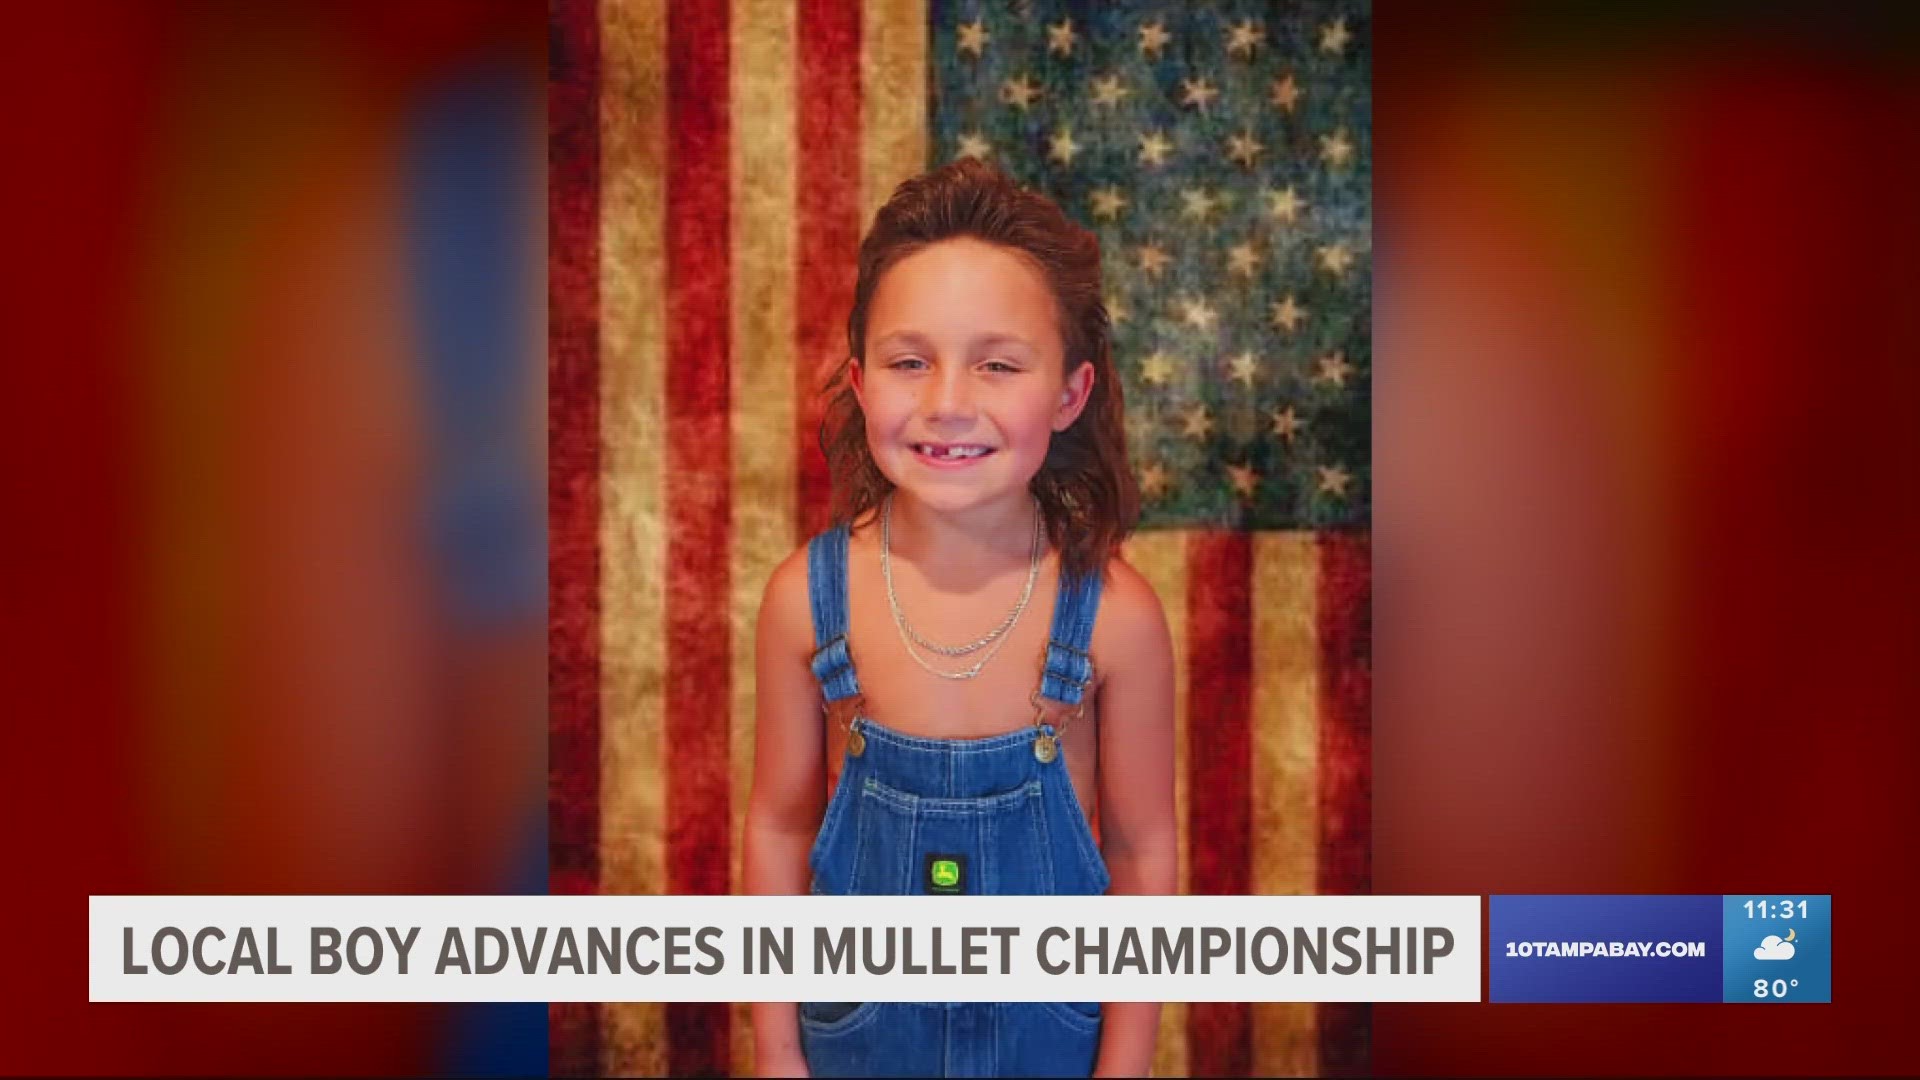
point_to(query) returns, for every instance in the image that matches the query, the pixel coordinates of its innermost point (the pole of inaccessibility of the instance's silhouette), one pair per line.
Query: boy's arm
(789, 782)
(1138, 831)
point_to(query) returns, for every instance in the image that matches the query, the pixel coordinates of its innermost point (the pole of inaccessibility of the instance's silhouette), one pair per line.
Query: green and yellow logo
(946, 873)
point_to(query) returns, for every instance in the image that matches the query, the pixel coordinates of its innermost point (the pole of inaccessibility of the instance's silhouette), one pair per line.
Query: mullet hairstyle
(1086, 492)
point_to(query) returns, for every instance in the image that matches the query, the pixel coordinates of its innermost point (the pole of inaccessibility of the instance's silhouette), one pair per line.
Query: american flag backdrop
(712, 167)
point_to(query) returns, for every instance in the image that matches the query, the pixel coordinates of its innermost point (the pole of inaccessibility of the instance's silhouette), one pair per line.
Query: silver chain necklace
(995, 638)
(990, 636)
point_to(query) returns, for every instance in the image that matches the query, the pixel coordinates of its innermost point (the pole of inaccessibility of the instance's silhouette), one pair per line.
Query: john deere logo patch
(946, 873)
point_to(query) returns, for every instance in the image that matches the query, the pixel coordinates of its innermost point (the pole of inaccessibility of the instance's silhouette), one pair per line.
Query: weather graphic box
(1779, 948)
(1765, 949)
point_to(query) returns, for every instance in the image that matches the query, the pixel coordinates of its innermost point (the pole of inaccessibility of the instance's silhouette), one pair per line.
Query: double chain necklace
(991, 641)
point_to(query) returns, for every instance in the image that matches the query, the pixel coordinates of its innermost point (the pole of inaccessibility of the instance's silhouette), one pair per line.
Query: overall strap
(827, 593)
(1069, 668)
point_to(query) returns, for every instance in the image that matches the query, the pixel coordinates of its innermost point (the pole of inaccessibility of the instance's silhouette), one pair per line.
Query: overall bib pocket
(992, 845)
(836, 1017)
(1080, 1016)
(1048, 1038)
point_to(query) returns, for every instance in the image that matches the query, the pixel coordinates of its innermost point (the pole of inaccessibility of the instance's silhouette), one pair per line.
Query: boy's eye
(1001, 366)
(908, 363)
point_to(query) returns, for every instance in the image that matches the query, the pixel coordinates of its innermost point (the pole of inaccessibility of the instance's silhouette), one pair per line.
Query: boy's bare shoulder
(785, 611)
(1131, 627)
(1129, 593)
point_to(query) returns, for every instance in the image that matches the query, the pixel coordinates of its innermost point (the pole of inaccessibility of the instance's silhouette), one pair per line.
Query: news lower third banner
(1769, 949)
(784, 948)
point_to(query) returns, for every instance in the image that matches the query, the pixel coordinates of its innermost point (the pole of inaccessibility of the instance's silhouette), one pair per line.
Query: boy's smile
(952, 455)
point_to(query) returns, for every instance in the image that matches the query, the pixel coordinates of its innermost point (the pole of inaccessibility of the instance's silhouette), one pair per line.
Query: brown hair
(1086, 491)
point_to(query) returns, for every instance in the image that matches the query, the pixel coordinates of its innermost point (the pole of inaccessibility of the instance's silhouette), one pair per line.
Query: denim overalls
(973, 816)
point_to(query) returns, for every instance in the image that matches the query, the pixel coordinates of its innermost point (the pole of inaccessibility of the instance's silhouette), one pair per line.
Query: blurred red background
(277, 578)
(1646, 462)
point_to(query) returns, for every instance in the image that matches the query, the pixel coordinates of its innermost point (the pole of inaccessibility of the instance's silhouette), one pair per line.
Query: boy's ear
(1073, 397)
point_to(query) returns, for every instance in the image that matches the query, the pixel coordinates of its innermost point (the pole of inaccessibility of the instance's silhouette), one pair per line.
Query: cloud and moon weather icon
(1775, 947)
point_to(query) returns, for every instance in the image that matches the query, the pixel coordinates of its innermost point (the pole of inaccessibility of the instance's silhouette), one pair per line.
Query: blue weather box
(1778, 948)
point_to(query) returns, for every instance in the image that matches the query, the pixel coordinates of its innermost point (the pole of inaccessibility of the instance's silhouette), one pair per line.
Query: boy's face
(964, 382)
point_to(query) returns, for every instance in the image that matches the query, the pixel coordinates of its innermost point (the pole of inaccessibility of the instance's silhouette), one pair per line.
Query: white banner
(784, 948)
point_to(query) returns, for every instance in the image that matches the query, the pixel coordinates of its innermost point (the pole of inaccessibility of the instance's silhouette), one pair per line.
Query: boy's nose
(949, 396)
